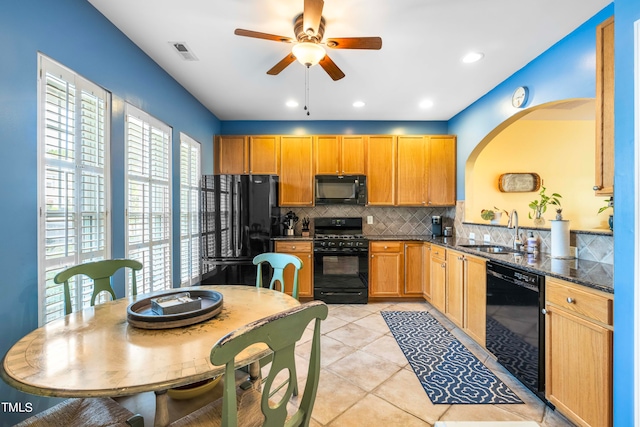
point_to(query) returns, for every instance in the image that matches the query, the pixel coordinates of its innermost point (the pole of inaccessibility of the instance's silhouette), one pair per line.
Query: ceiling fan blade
(331, 68)
(265, 36)
(311, 16)
(282, 65)
(355, 43)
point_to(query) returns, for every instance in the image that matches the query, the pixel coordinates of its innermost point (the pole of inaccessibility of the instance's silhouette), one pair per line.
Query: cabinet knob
(597, 187)
(386, 247)
(293, 247)
(372, 256)
(543, 311)
(570, 300)
(443, 265)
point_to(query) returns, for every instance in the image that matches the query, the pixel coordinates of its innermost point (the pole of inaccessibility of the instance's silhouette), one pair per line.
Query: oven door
(341, 277)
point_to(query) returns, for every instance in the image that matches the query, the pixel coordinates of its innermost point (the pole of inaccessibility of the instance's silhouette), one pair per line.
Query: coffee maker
(436, 226)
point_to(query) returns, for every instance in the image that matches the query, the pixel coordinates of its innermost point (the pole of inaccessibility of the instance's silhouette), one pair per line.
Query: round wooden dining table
(97, 353)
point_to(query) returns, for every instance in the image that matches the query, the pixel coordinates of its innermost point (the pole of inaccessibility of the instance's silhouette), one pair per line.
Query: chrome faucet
(517, 243)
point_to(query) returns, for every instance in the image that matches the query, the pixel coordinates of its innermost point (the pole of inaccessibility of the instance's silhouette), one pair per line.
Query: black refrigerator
(239, 217)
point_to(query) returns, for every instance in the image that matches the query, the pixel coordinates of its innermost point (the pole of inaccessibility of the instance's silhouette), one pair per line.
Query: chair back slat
(278, 263)
(101, 273)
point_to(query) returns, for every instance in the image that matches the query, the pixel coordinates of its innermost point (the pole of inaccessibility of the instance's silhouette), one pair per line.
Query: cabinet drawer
(304, 246)
(386, 247)
(586, 303)
(438, 251)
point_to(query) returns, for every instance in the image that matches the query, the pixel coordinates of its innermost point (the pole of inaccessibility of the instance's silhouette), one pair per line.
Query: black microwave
(341, 190)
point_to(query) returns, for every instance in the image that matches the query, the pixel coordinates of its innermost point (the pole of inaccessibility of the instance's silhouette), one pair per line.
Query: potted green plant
(494, 215)
(605, 207)
(539, 206)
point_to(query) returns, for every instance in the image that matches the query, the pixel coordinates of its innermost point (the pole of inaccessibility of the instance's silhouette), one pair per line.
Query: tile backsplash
(387, 221)
(416, 221)
(592, 246)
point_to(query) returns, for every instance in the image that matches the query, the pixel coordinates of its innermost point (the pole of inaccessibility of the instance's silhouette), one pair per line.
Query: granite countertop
(297, 238)
(592, 274)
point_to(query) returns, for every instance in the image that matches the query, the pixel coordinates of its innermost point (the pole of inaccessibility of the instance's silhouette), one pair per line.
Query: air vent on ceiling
(184, 51)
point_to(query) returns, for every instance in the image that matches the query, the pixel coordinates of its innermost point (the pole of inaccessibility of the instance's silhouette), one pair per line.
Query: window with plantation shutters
(73, 182)
(148, 198)
(189, 211)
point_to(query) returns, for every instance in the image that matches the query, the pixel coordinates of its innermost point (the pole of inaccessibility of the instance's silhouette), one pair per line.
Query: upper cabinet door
(230, 155)
(412, 165)
(264, 155)
(353, 154)
(604, 109)
(381, 170)
(327, 154)
(340, 155)
(296, 171)
(441, 175)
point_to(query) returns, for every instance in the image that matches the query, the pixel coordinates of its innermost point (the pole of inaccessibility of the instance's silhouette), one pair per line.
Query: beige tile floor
(365, 379)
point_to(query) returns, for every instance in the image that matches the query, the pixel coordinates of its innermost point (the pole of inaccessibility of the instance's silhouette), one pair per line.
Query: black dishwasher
(515, 323)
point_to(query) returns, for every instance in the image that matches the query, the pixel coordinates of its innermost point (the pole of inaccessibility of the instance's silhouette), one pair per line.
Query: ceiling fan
(308, 28)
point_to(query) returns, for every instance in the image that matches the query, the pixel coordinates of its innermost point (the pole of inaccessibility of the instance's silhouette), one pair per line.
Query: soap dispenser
(532, 243)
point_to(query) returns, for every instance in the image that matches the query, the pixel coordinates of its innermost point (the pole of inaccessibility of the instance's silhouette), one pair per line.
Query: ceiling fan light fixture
(308, 54)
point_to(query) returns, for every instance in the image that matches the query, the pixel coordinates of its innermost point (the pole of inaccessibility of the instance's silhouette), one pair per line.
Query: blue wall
(333, 128)
(75, 34)
(626, 12)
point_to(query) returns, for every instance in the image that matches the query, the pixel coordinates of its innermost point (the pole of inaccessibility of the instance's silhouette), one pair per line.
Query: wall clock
(520, 97)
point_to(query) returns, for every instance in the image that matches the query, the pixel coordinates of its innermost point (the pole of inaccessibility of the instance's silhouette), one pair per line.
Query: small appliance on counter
(436, 226)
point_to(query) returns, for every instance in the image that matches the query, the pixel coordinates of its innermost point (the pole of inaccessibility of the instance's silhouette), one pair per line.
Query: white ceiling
(423, 42)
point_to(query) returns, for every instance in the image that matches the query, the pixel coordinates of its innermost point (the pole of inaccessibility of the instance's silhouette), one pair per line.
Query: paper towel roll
(560, 239)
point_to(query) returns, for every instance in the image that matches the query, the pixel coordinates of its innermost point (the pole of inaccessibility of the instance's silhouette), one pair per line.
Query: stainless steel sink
(492, 249)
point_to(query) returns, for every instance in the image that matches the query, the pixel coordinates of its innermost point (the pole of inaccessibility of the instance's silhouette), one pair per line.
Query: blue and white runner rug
(447, 370)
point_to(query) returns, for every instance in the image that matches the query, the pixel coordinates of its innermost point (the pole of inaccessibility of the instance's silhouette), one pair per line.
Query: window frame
(190, 213)
(146, 278)
(48, 267)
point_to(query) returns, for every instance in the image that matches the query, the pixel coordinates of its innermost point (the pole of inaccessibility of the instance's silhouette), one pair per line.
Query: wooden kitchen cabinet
(230, 155)
(579, 352)
(381, 170)
(241, 155)
(441, 177)
(412, 168)
(438, 277)
(386, 268)
(304, 251)
(413, 269)
(426, 170)
(454, 294)
(426, 265)
(475, 291)
(340, 155)
(264, 155)
(604, 109)
(296, 171)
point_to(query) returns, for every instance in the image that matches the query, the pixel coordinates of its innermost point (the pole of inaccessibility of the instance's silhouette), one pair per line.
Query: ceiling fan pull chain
(306, 86)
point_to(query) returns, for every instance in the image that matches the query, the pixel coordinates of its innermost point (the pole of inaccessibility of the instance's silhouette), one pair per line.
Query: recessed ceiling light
(358, 104)
(427, 103)
(472, 57)
(292, 104)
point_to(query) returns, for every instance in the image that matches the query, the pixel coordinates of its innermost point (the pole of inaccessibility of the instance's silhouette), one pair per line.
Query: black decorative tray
(140, 314)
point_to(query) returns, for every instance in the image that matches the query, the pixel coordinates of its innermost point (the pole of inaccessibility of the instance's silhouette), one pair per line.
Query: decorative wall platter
(519, 182)
(141, 315)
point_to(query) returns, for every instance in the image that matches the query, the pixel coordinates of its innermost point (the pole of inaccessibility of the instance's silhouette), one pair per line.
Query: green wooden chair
(101, 273)
(245, 405)
(278, 263)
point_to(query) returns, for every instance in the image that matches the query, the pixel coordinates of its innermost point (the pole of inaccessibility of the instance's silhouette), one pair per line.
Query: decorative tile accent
(387, 221)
